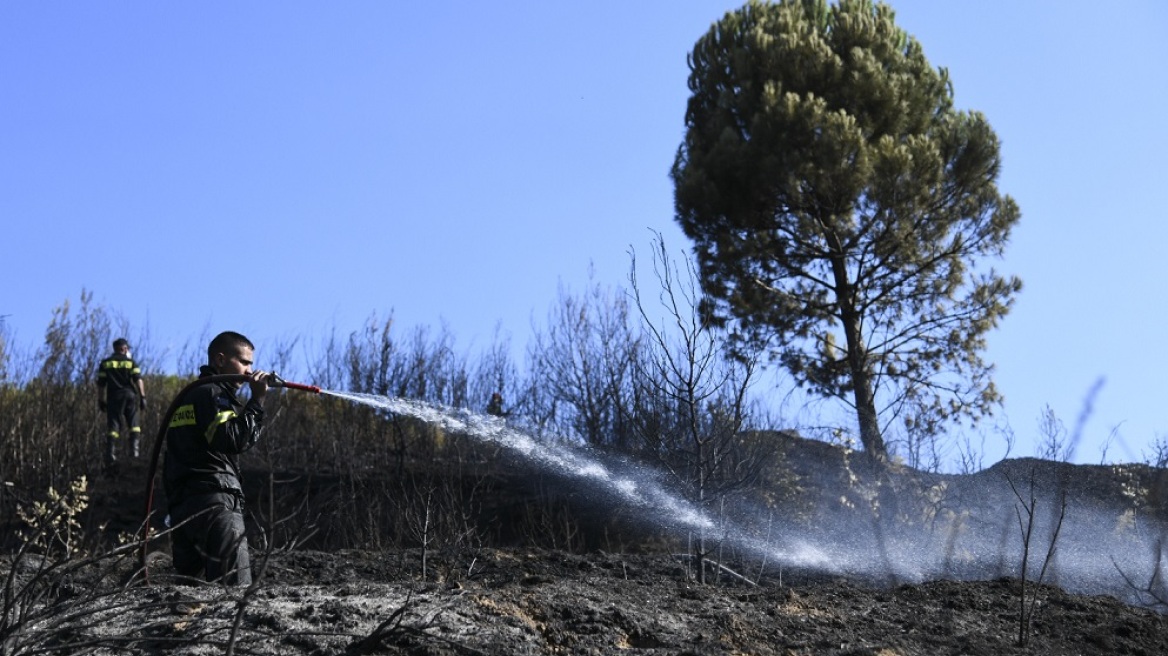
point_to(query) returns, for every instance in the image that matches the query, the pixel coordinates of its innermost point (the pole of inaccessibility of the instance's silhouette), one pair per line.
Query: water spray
(636, 490)
(273, 379)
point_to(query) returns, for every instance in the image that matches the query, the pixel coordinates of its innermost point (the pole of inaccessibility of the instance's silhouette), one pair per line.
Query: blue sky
(287, 169)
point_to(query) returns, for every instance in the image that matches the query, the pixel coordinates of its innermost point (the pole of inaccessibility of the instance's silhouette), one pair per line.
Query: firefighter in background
(120, 394)
(495, 407)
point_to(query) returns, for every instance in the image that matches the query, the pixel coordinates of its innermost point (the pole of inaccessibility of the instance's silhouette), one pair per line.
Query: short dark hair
(120, 342)
(227, 342)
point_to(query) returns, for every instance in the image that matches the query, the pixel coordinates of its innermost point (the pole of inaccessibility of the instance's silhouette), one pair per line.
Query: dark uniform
(209, 429)
(119, 374)
(495, 406)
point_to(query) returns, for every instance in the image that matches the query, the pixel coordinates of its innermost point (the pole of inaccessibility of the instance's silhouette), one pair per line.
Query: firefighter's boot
(111, 452)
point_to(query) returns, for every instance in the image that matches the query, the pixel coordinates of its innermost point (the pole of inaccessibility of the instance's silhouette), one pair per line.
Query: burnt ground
(519, 600)
(506, 602)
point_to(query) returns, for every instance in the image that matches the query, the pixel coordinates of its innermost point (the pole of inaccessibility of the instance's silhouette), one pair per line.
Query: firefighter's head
(230, 353)
(121, 346)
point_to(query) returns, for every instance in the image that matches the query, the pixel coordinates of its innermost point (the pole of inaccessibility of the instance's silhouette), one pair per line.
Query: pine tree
(830, 187)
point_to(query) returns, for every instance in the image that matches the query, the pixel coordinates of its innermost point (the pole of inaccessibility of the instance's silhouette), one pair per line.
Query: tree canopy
(841, 207)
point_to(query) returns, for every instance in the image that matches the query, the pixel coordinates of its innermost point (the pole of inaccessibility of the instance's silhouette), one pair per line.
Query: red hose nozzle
(274, 380)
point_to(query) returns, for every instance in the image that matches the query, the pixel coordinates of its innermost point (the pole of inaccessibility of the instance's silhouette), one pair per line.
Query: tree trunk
(862, 393)
(866, 413)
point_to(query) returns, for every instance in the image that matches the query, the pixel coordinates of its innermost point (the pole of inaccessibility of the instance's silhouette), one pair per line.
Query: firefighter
(210, 427)
(120, 394)
(495, 406)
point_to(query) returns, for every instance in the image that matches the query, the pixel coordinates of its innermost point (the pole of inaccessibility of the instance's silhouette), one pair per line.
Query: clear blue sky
(287, 168)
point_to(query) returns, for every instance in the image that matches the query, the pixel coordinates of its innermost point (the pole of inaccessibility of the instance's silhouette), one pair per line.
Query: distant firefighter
(495, 407)
(120, 394)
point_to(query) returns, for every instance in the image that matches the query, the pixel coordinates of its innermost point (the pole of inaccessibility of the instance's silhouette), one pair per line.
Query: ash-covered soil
(507, 602)
(886, 544)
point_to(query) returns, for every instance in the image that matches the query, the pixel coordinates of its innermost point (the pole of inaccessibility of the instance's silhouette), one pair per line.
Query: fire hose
(274, 380)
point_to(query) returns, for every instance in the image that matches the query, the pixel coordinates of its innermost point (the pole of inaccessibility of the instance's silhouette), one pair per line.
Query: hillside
(858, 559)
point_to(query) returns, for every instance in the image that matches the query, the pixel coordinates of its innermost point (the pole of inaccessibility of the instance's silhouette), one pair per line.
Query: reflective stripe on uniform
(220, 419)
(118, 364)
(184, 416)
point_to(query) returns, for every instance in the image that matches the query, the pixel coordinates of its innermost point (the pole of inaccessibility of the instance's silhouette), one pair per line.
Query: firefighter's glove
(101, 405)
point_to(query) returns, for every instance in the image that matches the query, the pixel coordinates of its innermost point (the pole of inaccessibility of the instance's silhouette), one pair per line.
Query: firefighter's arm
(227, 430)
(235, 432)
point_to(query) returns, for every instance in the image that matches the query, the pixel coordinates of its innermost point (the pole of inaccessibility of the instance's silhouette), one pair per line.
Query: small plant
(53, 525)
(1026, 510)
(49, 582)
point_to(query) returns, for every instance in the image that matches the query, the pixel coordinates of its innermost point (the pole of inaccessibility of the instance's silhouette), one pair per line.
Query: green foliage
(839, 203)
